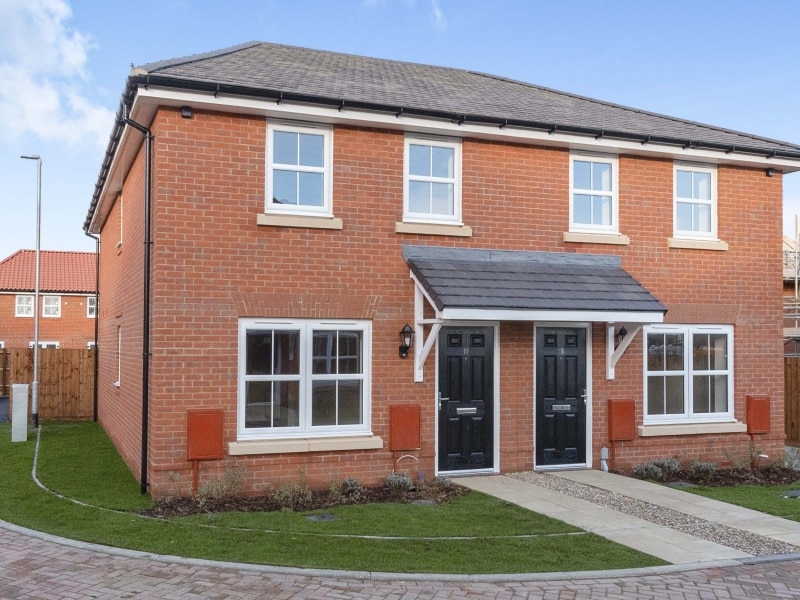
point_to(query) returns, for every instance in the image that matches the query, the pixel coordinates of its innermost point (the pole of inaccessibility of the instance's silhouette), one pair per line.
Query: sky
(63, 65)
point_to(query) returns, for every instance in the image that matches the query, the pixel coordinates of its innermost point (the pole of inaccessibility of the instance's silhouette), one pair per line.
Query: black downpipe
(148, 142)
(96, 318)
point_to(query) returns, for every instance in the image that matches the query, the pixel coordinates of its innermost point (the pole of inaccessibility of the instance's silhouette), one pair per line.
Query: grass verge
(77, 460)
(772, 500)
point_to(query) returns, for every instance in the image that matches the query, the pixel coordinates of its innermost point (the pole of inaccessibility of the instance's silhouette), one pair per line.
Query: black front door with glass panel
(560, 396)
(466, 390)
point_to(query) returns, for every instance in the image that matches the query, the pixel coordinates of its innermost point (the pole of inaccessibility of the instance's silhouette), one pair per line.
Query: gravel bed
(757, 545)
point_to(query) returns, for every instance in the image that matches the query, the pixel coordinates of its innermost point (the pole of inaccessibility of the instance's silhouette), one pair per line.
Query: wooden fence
(791, 377)
(66, 380)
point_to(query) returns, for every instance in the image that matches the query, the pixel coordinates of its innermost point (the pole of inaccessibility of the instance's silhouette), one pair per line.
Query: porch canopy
(468, 284)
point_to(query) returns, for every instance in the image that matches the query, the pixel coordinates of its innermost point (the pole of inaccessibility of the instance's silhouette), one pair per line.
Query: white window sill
(285, 446)
(597, 238)
(692, 429)
(433, 229)
(697, 244)
(299, 221)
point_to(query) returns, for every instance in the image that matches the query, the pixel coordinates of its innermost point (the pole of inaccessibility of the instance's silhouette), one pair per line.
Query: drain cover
(321, 517)
(791, 494)
(423, 502)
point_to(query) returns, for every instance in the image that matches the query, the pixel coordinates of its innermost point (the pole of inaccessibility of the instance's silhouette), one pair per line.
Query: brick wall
(71, 330)
(210, 258)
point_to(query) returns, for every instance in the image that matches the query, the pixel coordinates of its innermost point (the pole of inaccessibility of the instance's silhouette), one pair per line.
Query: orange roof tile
(59, 271)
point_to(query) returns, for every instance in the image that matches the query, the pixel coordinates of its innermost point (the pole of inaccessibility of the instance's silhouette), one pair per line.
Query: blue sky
(63, 65)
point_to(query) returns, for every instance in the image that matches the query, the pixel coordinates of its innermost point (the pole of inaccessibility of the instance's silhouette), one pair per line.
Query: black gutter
(148, 153)
(96, 238)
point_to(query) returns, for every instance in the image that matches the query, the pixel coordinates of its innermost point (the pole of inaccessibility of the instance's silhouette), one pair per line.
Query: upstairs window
(51, 306)
(23, 306)
(432, 181)
(299, 170)
(688, 373)
(91, 307)
(594, 199)
(695, 202)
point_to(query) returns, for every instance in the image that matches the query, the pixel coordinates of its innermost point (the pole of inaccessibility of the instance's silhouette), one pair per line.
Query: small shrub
(442, 483)
(230, 484)
(703, 470)
(347, 490)
(668, 466)
(648, 471)
(292, 496)
(398, 483)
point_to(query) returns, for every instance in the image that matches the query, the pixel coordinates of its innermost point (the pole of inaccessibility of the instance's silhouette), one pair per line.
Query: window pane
(419, 197)
(284, 187)
(324, 359)
(311, 189)
(719, 393)
(710, 394)
(601, 210)
(702, 219)
(700, 352)
(718, 349)
(655, 395)
(683, 180)
(582, 209)
(284, 151)
(674, 352)
(258, 404)
(674, 393)
(287, 358)
(311, 150)
(286, 410)
(601, 177)
(656, 351)
(702, 186)
(441, 199)
(350, 403)
(700, 392)
(323, 403)
(419, 160)
(259, 353)
(349, 352)
(582, 175)
(683, 214)
(442, 162)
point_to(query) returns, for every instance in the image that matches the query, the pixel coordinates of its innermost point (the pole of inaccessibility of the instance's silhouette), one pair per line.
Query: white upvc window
(303, 378)
(688, 373)
(91, 307)
(594, 198)
(45, 345)
(299, 170)
(695, 190)
(51, 306)
(90, 345)
(23, 306)
(432, 181)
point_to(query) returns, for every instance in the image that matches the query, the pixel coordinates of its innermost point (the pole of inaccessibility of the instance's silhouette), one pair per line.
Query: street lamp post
(35, 386)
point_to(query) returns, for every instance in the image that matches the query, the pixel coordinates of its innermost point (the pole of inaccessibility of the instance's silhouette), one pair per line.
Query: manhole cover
(791, 494)
(423, 502)
(321, 517)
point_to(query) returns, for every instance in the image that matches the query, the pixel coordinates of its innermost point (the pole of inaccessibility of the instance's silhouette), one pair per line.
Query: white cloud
(438, 15)
(45, 80)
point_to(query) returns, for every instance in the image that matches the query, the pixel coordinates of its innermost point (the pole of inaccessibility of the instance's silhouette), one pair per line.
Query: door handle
(584, 395)
(440, 400)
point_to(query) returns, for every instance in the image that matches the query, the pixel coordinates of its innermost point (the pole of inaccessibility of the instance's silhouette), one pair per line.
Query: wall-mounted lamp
(620, 335)
(771, 172)
(406, 340)
(186, 112)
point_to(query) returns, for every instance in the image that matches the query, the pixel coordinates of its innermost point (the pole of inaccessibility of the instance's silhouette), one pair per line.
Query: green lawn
(77, 461)
(771, 500)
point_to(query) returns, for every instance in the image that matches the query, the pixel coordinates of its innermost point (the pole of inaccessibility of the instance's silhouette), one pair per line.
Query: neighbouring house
(67, 299)
(585, 285)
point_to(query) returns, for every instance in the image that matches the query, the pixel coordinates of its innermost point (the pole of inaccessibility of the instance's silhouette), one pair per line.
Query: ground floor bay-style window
(303, 378)
(688, 373)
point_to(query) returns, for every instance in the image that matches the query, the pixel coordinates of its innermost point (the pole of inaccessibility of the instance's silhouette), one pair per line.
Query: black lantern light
(621, 335)
(406, 340)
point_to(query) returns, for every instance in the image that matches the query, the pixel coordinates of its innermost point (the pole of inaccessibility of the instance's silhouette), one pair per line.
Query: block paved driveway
(34, 565)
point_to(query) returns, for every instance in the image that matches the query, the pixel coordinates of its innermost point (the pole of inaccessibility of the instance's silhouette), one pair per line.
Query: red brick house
(579, 277)
(67, 302)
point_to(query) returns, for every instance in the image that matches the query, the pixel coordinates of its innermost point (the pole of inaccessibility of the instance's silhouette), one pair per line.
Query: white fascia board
(564, 316)
(152, 96)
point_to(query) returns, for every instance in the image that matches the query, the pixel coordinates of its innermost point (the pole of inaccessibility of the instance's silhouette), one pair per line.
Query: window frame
(613, 227)
(455, 181)
(305, 378)
(23, 310)
(326, 210)
(45, 307)
(91, 307)
(686, 234)
(689, 372)
(44, 345)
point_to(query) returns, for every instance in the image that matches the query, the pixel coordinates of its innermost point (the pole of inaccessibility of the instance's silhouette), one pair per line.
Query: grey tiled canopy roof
(527, 281)
(272, 70)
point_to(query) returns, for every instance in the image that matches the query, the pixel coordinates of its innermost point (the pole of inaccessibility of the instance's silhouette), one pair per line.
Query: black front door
(466, 388)
(560, 396)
